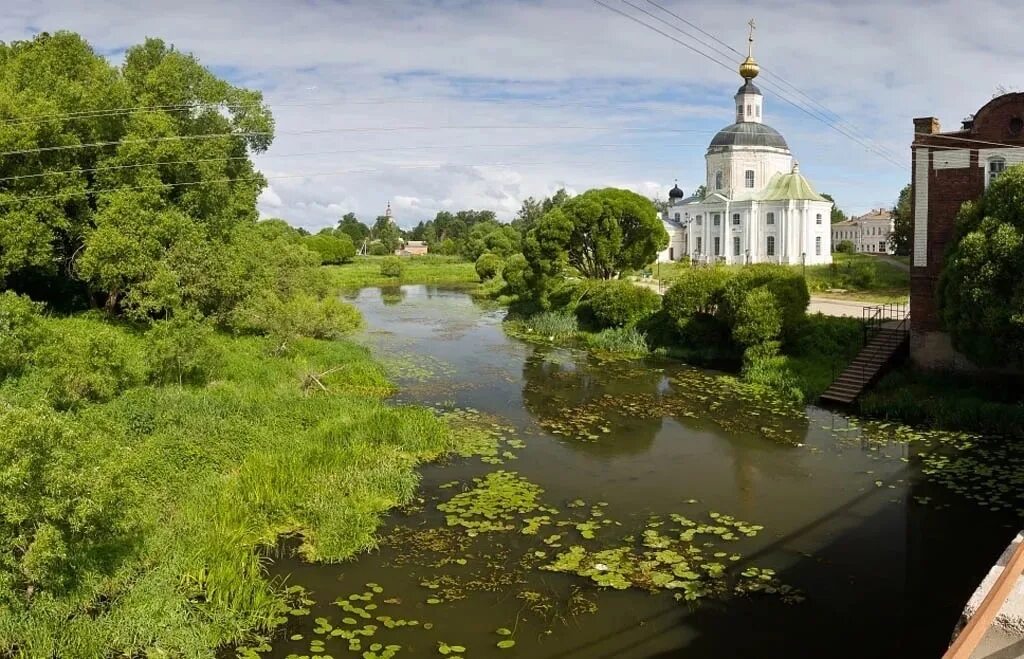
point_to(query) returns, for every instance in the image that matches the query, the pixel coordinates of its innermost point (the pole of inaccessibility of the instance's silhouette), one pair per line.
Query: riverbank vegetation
(430, 269)
(176, 392)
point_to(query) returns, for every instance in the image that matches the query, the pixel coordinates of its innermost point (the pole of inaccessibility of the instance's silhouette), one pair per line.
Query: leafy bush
(619, 304)
(334, 249)
(61, 516)
(514, 273)
(862, 276)
(378, 249)
(180, 350)
(845, 247)
(391, 266)
(488, 266)
(621, 340)
(90, 361)
(787, 285)
(758, 319)
(764, 366)
(285, 321)
(696, 292)
(20, 331)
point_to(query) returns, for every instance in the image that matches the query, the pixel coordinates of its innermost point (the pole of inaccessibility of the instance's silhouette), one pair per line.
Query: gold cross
(750, 39)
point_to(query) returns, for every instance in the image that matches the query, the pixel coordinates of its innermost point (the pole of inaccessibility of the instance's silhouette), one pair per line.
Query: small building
(758, 207)
(413, 248)
(949, 169)
(869, 233)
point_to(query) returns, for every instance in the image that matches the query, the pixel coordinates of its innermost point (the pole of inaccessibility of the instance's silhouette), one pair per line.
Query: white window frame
(718, 246)
(737, 246)
(995, 166)
(817, 220)
(817, 245)
(769, 246)
(736, 219)
(748, 178)
(770, 218)
(718, 180)
(717, 221)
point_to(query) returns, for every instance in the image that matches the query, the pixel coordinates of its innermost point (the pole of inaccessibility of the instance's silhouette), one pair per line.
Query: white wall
(734, 164)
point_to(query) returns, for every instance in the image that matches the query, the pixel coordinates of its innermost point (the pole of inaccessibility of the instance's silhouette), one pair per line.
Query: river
(876, 559)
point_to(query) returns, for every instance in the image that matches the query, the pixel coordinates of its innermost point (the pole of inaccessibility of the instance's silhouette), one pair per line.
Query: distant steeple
(748, 98)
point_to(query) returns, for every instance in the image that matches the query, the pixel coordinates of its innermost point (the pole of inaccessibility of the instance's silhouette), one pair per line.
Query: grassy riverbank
(179, 487)
(429, 269)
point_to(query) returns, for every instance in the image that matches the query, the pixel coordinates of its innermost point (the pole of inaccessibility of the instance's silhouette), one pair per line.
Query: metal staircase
(886, 340)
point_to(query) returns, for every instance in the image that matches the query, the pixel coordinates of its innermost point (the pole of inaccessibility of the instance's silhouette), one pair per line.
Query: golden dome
(749, 68)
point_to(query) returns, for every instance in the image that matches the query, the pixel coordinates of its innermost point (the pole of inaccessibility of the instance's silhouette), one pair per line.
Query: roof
(875, 214)
(783, 187)
(676, 192)
(749, 133)
(415, 243)
(748, 88)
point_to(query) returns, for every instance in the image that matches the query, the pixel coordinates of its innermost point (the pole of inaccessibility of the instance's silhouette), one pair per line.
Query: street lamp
(803, 263)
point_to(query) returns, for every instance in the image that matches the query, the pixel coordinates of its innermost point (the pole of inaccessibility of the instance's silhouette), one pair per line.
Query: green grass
(850, 276)
(948, 402)
(210, 474)
(429, 269)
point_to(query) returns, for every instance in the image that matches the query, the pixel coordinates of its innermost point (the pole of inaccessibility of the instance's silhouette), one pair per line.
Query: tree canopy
(350, 225)
(902, 223)
(981, 291)
(599, 233)
(837, 214)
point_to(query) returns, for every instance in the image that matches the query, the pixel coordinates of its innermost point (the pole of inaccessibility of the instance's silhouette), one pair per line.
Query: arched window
(718, 180)
(770, 245)
(749, 178)
(996, 166)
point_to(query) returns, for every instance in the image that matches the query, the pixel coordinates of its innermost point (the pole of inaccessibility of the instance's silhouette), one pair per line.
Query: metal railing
(875, 317)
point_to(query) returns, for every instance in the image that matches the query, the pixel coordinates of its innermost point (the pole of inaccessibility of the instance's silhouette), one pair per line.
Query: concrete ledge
(1005, 638)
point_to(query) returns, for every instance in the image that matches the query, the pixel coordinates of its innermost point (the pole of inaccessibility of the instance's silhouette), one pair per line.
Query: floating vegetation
(497, 503)
(482, 436)
(682, 558)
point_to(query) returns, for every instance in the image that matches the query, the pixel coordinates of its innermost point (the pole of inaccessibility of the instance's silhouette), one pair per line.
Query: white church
(758, 207)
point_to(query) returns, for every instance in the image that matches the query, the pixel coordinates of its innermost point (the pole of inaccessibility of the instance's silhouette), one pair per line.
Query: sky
(436, 105)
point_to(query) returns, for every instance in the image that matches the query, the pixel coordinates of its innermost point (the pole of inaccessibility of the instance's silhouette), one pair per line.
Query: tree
(350, 225)
(601, 233)
(333, 248)
(556, 200)
(837, 215)
(701, 191)
(902, 223)
(981, 292)
(386, 231)
(531, 211)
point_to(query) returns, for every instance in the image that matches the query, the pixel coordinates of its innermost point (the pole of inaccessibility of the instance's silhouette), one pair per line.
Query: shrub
(514, 273)
(488, 266)
(765, 367)
(180, 350)
(619, 304)
(285, 321)
(845, 247)
(862, 275)
(61, 515)
(695, 292)
(391, 266)
(758, 320)
(20, 331)
(787, 285)
(90, 361)
(334, 249)
(378, 249)
(622, 340)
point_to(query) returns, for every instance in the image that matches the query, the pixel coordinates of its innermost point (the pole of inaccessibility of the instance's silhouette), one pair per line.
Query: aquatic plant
(496, 503)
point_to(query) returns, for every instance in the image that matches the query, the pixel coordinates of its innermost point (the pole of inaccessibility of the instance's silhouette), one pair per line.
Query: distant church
(758, 208)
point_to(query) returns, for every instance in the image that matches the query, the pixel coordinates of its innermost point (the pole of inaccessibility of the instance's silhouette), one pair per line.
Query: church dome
(749, 133)
(676, 193)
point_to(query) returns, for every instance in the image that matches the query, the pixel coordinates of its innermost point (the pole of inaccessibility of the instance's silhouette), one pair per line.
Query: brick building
(949, 169)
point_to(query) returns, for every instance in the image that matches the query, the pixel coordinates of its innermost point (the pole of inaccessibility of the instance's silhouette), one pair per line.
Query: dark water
(884, 558)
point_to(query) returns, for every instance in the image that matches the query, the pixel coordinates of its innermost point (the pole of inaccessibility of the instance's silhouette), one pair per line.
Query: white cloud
(589, 76)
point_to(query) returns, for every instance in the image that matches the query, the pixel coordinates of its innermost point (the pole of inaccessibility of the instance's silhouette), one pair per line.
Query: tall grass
(302, 443)
(620, 340)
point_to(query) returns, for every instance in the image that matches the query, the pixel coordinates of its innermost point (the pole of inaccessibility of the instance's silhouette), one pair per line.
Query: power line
(780, 93)
(320, 131)
(259, 178)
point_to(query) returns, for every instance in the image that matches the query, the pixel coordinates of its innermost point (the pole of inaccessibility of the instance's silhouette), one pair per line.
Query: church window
(749, 176)
(671, 253)
(735, 245)
(718, 245)
(735, 219)
(718, 180)
(770, 246)
(771, 218)
(677, 217)
(700, 220)
(717, 220)
(817, 245)
(818, 219)
(700, 244)
(750, 111)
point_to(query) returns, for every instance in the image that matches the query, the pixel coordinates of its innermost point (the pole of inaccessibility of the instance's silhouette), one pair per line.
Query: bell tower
(748, 99)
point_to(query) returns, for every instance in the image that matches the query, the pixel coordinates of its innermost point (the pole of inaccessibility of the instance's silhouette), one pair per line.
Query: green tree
(837, 214)
(387, 232)
(350, 225)
(20, 331)
(700, 191)
(758, 318)
(981, 292)
(902, 223)
(333, 248)
(603, 232)
(528, 214)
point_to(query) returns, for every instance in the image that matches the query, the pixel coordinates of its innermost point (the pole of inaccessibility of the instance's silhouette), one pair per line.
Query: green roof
(783, 187)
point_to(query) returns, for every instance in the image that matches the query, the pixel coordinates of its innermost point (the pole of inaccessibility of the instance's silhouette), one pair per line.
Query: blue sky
(481, 104)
